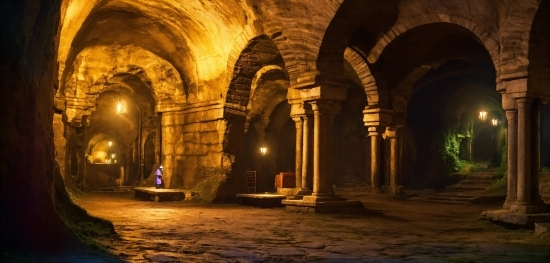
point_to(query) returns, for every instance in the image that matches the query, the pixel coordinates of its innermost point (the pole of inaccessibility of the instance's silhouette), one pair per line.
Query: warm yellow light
(483, 115)
(110, 143)
(113, 156)
(263, 150)
(495, 122)
(120, 107)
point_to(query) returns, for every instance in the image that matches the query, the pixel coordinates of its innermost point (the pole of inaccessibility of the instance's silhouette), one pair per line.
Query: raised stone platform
(158, 195)
(507, 217)
(261, 200)
(312, 204)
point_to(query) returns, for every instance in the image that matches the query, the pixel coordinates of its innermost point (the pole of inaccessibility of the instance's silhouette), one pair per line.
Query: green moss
(209, 187)
(449, 152)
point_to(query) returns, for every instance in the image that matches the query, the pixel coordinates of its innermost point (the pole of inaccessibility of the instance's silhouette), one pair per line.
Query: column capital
(377, 117)
(329, 107)
(523, 101)
(375, 130)
(324, 92)
(391, 132)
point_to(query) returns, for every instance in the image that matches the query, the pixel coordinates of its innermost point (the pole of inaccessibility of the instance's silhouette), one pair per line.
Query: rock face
(206, 83)
(29, 219)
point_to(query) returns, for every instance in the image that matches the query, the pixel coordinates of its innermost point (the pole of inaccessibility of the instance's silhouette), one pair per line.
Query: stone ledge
(159, 195)
(521, 220)
(261, 200)
(327, 207)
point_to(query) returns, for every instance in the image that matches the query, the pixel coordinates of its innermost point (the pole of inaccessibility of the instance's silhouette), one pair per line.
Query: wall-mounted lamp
(483, 115)
(263, 150)
(110, 143)
(120, 106)
(495, 122)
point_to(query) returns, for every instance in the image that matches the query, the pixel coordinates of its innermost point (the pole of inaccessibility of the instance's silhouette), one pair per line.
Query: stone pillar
(469, 156)
(158, 141)
(524, 153)
(393, 136)
(172, 149)
(376, 120)
(527, 201)
(535, 151)
(512, 131)
(374, 133)
(299, 144)
(322, 188)
(306, 155)
(82, 153)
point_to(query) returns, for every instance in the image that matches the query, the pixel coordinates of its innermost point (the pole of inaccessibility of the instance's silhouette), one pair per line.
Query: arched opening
(434, 68)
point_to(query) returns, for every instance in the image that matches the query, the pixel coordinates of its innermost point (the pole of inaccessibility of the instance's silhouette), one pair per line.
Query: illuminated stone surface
(207, 83)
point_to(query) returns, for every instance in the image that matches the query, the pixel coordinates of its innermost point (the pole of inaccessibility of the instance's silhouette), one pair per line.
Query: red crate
(285, 180)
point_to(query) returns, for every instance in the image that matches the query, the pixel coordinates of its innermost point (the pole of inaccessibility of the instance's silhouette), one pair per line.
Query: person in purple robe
(158, 177)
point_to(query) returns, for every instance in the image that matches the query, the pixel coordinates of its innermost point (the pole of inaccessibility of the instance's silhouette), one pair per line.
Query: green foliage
(467, 167)
(500, 186)
(545, 169)
(449, 152)
(501, 170)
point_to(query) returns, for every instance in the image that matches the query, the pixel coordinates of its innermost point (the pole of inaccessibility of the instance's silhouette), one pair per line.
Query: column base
(317, 197)
(302, 191)
(374, 190)
(324, 204)
(396, 190)
(528, 208)
(507, 218)
(508, 203)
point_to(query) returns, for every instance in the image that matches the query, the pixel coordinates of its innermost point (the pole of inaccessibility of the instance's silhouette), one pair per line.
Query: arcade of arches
(340, 92)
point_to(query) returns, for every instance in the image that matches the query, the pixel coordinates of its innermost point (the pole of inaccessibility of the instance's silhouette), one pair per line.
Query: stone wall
(192, 143)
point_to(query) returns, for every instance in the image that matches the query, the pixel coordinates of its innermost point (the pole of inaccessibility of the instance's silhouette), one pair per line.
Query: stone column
(172, 148)
(511, 116)
(528, 201)
(158, 141)
(306, 155)
(375, 133)
(321, 181)
(376, 119)
(469, 156)
(393, 136)
(299, 144)
(535, 151)
(524, 153)
(83, 158)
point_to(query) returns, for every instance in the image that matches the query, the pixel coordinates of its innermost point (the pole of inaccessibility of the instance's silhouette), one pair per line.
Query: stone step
(478, 180)
(452, 202)
(457, 194)
(450, 198)
(458, 187)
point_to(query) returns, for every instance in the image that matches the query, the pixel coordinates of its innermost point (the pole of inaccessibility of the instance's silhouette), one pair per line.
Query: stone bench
(158, 195)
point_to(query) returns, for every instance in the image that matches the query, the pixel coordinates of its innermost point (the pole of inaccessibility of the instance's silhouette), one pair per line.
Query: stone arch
(539, 52)
(515, 42)
(488, 41)
(94, 68)
(259, 52)
(357, 61)
(275, 100)
(402, 93)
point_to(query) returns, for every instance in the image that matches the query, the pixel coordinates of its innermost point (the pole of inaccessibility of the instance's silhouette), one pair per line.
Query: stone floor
(391, 230)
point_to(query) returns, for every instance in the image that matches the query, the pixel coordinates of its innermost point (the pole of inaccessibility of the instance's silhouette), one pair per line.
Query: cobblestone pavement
(391, 230)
